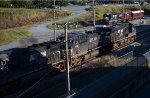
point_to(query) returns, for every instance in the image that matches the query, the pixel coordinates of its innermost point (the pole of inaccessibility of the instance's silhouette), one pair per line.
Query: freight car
(110, 18)
(82, 47)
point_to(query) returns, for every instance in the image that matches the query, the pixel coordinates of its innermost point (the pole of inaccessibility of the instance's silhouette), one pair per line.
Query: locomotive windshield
(107, 17)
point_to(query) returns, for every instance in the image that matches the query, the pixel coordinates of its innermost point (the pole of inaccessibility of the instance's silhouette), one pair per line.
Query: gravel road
(41, 33)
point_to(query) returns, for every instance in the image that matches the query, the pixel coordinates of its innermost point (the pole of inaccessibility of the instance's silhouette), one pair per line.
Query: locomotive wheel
(79, 61)
(61, 67)
(73, 62)
(115, 46)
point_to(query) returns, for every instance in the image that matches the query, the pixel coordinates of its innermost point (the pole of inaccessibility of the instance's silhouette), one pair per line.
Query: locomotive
(82, 47)
(110, 18)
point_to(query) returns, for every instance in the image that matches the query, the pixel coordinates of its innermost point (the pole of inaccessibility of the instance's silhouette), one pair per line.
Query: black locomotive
(83, 46)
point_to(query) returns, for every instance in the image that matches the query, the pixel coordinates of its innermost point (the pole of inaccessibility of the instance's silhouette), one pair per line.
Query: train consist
(109, 18)
(83, 46)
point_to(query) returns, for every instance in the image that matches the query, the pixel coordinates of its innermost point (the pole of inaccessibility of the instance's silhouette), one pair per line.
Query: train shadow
(83, 76)
(83, 80)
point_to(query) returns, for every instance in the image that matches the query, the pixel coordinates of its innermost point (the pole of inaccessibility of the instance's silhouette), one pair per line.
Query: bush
(19, 16)
(31, 3)
(78, 2)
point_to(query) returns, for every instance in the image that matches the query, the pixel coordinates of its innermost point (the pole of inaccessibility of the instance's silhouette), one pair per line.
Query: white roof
(137, 11)
(101, 26)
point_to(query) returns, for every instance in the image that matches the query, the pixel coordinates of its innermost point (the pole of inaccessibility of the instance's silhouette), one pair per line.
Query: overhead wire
(24, 92)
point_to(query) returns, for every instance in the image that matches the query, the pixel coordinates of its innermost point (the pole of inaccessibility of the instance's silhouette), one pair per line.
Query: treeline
(31, 3)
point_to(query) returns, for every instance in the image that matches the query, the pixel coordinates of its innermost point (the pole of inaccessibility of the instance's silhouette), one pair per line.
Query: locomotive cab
(4, 61)
(109, 18)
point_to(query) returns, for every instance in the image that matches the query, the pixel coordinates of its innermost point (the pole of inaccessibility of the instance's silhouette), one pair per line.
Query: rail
(143, 35)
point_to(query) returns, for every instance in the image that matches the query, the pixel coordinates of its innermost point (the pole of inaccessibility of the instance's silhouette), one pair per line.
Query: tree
(62, 3)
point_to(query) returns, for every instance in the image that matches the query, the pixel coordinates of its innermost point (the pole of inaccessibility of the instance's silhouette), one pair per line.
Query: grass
(106, 58)
(15, 17)
(122, 61)
(9, 35)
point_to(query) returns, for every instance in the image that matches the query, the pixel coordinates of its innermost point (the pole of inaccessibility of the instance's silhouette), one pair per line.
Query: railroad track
(143, 35)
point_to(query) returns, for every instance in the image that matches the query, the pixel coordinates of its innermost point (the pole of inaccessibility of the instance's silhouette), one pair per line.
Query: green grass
(9, 35)
(15, 17)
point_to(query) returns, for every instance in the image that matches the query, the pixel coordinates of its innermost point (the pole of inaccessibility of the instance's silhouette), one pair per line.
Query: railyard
(110, 60)
(48, 86)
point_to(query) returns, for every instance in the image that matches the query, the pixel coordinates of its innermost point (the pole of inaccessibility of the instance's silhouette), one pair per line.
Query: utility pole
(65, 26)
(54, 22)
(140, 11)
(94, 14)
(123, 6)
(67, 61)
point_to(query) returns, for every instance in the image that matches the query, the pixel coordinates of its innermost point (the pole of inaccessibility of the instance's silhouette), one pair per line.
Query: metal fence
(121, 61)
